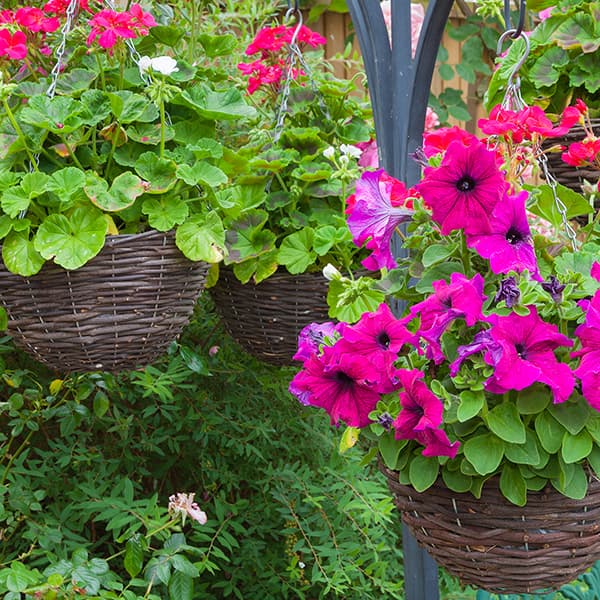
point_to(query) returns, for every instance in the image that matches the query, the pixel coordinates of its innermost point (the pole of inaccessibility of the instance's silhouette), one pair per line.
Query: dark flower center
(520, 348)
(343, 379)
(514, 236)
(383, 340)
(447, 301)
(417, 409)
(465, 184)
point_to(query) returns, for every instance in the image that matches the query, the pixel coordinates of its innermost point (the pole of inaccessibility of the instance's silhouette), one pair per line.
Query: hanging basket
(119, 311)
(266, 318)
(497, 546)
(567, 175)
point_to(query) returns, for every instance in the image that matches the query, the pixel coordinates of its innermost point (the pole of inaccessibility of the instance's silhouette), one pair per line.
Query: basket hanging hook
(518, 30)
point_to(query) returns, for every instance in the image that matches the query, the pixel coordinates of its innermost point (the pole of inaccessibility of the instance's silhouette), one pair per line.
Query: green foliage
(88, 462)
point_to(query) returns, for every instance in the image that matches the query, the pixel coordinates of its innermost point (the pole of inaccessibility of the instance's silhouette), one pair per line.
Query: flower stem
(161, 108)
(193, 34)
(17, 127)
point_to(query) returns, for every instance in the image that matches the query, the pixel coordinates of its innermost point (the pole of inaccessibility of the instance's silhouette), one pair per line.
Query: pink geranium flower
(524, 354)
(339, 382)
(464, 190)
(33, 19)
(378, 208)
(438, 140)
(13, 45)
(508, 243)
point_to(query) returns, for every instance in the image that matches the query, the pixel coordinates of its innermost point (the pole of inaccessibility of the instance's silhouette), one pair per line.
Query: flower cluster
(492, 368)
(268, 70)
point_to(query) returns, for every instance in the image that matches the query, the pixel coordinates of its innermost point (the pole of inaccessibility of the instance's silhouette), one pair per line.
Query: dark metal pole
(399, 87)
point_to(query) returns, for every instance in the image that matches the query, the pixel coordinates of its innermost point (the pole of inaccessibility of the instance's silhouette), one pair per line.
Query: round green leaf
(423, 472)
(20, 255)
(202, 237)
(123, 192)
(160, 173)
(484, 452)
(165, 213)
(72, 241)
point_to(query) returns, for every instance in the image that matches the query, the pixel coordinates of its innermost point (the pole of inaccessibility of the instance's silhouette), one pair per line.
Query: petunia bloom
(461, 298)
(374, 217)
(525, 354)
(464, 190)
(589, 367)
(340, 383)
(507, 243)
(312, 337)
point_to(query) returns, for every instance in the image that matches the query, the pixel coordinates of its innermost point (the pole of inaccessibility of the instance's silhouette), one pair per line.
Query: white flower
(161, 64)
(349, 150)
(331, 273)
(329, 152)
(184, 504)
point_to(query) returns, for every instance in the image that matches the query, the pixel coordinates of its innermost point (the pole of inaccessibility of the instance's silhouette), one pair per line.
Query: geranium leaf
(504, 420)
(71, 241)
(160, 173)
(579, 31)
(6, 224)
(547, 69)
(325, 238)
(165, 213)
(202, 172)
(348, 299)
(576, 447)
(8, 139)
(423, 472)
(246, 237)
(123, 192)
(207, 148)
(129, 107)
(585, 72)
(218, 45)
(148, 133)
(202, 237)
(74, 82)
(212, 105)
(60, 115)
(66, 182)
(296, 252)
(484, 452)
(14, 201)
(19, 254)
(513, 485)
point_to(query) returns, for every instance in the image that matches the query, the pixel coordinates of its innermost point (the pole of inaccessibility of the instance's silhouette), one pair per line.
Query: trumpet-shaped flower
(464, 190)
(312, 337)
(507, 243)
(589, 367)
(525, 354)
(341, 383)
(461, 298)
(378, 208)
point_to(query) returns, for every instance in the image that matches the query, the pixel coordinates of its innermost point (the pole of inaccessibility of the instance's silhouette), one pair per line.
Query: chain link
(72, 10)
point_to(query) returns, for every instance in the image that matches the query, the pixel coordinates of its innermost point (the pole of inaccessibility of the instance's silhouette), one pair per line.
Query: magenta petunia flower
(340, 383)
(374, 217)
(595, 272)
(525, 354)
(507, 243)
(464, 190)
(589, 367)
(421, 408)
(436, 443)
(482, 342)
(461, 298)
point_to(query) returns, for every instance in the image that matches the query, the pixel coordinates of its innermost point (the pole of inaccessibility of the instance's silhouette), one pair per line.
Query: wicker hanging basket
(266, 318)
(571, 177)
(119, 311)
(497, 546)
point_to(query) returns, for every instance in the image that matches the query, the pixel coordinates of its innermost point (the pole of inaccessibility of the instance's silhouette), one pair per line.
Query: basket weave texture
(119, 311)
(497, 546)
(571, 177)
(266, 318)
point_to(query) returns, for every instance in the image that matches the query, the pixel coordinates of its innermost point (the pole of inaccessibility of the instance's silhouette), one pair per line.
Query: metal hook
(511, 33)
(294, 10)
(522, 10)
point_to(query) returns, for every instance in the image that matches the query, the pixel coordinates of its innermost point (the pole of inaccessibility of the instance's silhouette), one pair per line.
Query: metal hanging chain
(294, 58)
(72, 10)
(513, 100)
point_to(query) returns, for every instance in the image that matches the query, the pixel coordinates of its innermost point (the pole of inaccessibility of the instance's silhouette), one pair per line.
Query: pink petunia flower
(312, 337)
(508, 243)
(526, 355)
(589, 367)
(462, 298)
(340, 383)
(436, 443)
(464, 190)
(375, 213)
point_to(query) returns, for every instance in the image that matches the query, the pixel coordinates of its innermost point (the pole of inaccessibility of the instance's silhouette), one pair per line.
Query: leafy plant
(115, 143)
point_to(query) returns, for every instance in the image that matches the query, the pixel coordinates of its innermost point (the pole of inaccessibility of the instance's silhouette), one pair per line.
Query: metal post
(399, 87)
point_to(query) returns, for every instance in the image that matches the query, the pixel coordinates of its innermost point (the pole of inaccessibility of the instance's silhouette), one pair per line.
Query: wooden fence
(337, 29)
